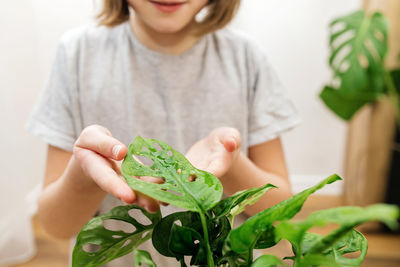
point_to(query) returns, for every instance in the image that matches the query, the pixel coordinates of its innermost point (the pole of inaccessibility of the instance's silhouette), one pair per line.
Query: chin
(166, 27)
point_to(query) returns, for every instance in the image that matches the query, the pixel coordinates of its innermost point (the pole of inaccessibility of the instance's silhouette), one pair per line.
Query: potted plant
(359, 46)
(359, 49)
(205, 234)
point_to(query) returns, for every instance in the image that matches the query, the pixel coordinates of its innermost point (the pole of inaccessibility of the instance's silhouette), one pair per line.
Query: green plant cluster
(204, 234)
(359, 46)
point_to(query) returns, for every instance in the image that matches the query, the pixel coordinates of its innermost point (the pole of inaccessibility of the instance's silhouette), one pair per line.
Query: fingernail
(116, 150)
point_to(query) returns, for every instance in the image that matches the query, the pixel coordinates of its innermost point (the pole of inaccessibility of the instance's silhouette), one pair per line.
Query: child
(160, 73)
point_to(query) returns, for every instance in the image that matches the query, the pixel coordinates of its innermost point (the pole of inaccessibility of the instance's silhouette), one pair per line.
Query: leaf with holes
(342, 240)
(162, 230)
(365, 40)
(187, 241)
(358, 48)
(335, 256)
(185, 186)
(204, 231)
(97, 245)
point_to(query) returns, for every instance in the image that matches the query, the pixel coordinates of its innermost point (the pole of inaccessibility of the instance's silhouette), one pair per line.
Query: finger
(146, 202)
(151, 204)
(156, 180)
(99, 139)
(230, 144)
(229, 137)
(100, 170)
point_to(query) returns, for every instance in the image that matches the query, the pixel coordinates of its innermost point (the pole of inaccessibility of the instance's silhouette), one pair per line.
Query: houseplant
(359, 49)
(204, 233)
(359, 46)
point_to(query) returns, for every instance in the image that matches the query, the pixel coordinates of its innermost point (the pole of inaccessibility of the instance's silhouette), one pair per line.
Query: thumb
(229, 137)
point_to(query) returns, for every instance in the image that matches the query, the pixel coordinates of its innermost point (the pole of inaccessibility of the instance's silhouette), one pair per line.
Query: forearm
(244, 174)
(68, 203)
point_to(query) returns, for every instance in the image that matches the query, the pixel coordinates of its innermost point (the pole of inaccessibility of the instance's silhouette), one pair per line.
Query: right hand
(98, 155)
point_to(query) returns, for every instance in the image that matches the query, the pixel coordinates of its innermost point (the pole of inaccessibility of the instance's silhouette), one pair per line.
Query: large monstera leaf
(358, 48)
(185, 186)
(108, 244)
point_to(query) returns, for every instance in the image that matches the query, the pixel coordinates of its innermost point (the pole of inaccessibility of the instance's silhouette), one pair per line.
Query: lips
(167, 6)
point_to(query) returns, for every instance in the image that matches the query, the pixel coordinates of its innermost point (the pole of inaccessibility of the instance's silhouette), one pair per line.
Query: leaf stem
(232, 220)
(210, 260)
(144, 239)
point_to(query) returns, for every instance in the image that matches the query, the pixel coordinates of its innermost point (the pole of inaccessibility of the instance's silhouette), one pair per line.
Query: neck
(167, 43)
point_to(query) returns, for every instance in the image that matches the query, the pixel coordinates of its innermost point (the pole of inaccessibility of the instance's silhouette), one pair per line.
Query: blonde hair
(219, 14)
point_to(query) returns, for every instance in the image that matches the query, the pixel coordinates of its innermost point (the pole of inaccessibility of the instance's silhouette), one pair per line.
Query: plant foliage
(204, 235)
(359, 45)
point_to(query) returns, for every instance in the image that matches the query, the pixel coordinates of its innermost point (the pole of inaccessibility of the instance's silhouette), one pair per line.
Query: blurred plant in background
(359, 45)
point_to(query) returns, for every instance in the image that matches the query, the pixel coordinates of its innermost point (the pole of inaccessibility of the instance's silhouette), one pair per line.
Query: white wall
(293, 33)
(29, 31)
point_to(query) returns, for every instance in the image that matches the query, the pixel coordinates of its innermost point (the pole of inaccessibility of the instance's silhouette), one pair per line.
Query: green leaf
(184, 240)
(236, 203)
(162, 231)
(244, 237)
(309, 240)
(187, 241)
(179, 190)
(341, 104)
(366, 38)
(266, 261)
(346, 217)
(218, 232)
(352, 242)
(267, 239)
(342, 240)
(111, 244)
(143, 257)
(235, 259)
(358, 49)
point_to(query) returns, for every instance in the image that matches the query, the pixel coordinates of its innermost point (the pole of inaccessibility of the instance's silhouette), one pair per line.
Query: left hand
(217, 152)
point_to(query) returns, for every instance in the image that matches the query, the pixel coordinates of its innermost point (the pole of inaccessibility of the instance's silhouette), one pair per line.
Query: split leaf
(97, 245)
(185, 186)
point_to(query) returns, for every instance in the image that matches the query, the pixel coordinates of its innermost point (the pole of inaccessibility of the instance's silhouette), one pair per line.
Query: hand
(98, 153)
(217, 152)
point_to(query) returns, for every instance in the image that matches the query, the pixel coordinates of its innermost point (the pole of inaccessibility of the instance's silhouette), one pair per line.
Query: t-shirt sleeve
(53, 118)
(271, 111)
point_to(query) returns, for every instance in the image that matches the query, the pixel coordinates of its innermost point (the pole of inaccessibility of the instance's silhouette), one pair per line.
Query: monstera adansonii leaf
(185, 186)
(313, 250)
(358, 48)
(96, 244)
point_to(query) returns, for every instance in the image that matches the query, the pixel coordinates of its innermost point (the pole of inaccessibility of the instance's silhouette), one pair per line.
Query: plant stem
(232, 221)
(144, 239)
(394, 96)
(210, 261)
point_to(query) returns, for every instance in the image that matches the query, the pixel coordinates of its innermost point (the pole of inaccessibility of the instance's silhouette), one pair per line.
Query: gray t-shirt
(106, 76)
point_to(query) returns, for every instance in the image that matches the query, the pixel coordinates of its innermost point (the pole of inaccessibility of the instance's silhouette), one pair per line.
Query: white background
(293, 33)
